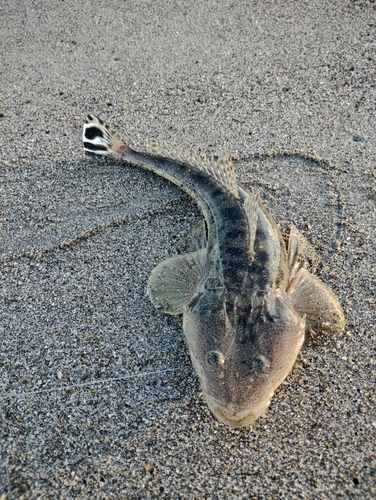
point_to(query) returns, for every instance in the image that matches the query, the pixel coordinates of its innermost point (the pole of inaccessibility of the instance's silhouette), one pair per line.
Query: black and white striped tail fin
(99, 139)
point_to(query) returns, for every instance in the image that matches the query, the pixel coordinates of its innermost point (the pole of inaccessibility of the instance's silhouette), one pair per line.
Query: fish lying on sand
(246, 300)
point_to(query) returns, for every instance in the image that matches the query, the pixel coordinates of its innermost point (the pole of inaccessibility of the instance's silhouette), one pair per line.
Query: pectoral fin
(310, 296)
(175, 281)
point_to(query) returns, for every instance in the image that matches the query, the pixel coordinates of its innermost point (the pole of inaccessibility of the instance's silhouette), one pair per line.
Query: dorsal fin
(251, 205)
(222, 170)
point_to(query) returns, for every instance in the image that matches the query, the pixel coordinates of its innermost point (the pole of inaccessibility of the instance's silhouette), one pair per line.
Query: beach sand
(98, 395)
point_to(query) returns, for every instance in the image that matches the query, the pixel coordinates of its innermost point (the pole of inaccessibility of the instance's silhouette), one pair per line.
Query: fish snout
(241, 418)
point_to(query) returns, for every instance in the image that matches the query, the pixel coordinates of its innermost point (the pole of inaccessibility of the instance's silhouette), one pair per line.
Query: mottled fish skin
(244, 299)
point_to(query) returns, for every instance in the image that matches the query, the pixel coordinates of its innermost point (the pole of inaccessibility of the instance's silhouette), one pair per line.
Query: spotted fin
(176, 281)
(311, 297)
(222, 169)
(251, 205)
(99, 139)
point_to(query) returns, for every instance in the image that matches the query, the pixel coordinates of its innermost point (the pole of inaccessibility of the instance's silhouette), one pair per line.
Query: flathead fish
(246, 299)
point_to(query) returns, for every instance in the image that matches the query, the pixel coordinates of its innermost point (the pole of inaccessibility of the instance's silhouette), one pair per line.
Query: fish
(247, 297)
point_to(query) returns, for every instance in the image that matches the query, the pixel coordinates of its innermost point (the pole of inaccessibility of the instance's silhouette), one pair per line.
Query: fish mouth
(236, 419)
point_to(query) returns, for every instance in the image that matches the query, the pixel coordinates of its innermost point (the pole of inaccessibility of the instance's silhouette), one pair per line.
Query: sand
(98, 395)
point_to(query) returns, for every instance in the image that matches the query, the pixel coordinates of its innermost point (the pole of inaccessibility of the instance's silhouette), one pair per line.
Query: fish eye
(215, 358)
(260, 363)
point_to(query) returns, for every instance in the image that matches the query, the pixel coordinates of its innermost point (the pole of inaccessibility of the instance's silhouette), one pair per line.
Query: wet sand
(98, 396)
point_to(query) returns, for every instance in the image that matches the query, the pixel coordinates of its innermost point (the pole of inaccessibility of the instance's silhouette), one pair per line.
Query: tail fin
(99, 139)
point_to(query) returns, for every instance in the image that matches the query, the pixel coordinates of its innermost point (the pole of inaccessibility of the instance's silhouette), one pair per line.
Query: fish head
(242, 353)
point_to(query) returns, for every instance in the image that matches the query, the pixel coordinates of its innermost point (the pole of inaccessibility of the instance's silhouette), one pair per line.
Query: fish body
(246, 300)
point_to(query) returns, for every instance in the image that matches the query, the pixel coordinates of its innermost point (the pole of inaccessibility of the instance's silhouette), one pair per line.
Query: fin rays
(251, 205)
(310, 296)
(99, 139)
(222, 170)
(175, 281)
